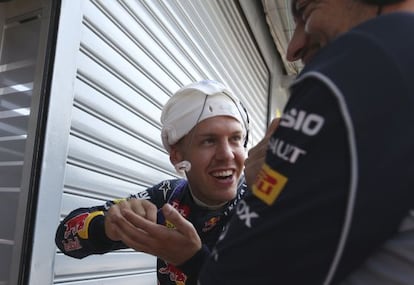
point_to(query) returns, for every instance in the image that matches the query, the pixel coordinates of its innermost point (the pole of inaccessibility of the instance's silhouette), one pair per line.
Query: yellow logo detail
(269, 185)
(83, 233)
(169, 225)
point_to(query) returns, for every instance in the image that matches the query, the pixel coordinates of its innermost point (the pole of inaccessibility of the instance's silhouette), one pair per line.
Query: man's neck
(205, 205)
(404, 6)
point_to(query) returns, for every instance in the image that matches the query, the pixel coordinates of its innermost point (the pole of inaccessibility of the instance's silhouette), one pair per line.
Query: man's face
(215, 149)
(320, 21)
(301, 46)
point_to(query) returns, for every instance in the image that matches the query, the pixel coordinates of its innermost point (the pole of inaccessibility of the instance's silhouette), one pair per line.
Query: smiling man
(204, 130)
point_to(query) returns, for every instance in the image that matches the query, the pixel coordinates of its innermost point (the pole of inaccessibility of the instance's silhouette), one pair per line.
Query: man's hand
(174, 245)
(117, 226)
(257, 154)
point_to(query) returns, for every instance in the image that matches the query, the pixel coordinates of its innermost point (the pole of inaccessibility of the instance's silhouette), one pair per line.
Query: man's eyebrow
(293, 8)
(295, 13)
(213, 134)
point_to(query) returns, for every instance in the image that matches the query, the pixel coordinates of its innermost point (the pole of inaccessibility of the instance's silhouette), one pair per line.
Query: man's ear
(176, 155)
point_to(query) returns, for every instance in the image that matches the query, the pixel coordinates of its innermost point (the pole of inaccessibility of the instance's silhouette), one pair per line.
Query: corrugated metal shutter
(19, 97)
(132, 56)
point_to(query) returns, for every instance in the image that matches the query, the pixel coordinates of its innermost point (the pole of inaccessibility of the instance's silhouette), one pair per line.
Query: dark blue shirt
(339, 172)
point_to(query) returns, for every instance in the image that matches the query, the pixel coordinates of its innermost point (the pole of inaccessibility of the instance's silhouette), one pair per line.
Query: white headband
(194, 103)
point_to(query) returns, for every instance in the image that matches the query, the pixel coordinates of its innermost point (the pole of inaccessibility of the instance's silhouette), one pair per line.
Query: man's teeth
(224, 173)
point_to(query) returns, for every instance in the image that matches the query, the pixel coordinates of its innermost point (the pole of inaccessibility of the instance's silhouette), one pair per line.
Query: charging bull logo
(210, 223)
(174, 273)
(79, 224)
(75, 224)
(184, 210)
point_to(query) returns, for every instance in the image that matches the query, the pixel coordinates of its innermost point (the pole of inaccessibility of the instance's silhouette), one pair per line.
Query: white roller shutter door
(131, 56)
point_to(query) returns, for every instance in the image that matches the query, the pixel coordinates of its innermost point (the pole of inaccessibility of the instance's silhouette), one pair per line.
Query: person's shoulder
(354, 57)
(162, 188)
(387, 23)
(386, 30)
(377, 37)
(170, 183)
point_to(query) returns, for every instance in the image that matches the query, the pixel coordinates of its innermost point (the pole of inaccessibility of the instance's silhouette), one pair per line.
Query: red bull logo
(174, 273)
(210, 223)
(79, 224)
(75, 224)
(183, 210)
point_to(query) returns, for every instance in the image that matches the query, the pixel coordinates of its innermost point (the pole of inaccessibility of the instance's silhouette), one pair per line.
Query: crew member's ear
(175, 154)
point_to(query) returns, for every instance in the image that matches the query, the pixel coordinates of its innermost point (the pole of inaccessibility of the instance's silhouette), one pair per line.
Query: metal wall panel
(132, 56)
(18, 62)
(24, 29)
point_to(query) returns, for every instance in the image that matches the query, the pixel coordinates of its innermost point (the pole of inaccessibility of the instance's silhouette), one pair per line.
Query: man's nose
(297, 43)
(224, 151)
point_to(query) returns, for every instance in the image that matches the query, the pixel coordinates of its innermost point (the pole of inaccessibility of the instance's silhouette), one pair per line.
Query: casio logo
(309, 124)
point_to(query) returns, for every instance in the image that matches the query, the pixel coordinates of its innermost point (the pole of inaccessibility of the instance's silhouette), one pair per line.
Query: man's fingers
(137, 221)
(138, 232)
(174, 217)
(144, 208)
(187, 236)
(150, 211)
(173, 245)
(170, 214)
(273, 126)
(261, 147)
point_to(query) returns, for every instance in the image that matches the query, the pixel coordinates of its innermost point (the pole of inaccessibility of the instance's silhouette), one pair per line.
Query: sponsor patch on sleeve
(80, 224)
(269, 185)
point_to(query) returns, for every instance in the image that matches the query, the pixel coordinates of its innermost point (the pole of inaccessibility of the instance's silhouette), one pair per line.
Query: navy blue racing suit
(338, 179)
(82, 232)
